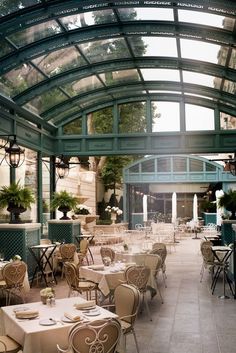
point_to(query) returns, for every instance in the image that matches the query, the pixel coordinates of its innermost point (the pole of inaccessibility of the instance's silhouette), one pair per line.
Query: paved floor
(191, 320)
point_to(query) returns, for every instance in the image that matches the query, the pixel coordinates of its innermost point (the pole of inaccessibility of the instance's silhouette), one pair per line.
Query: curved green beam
(97, 32)
(131, 89)
(124, 64)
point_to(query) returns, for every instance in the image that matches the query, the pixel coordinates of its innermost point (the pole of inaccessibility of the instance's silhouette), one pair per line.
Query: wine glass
(1, 256)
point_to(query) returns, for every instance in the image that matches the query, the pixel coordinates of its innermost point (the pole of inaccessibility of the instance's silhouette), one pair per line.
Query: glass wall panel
(199, 118)
(195, 165)
(132, 117)
(148, 166)
(179, 164)
(163, 165)
(210, 168)
(101, 122)
(165, 116)
(75, 127)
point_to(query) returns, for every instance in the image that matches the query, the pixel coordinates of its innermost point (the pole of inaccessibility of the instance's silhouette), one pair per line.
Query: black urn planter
(15, 212)
(64, 210)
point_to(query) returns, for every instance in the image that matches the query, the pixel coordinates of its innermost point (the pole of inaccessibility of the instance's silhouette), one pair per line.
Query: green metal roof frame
(50, 138)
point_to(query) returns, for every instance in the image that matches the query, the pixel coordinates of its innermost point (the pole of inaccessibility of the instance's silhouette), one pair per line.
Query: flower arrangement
(114, 209)
(16, 258)
(47, 292)
(83, 209)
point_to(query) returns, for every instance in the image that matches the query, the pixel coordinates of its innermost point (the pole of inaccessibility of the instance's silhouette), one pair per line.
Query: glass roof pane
(149, 14)
(65, 113)
(5, 48)
(154, 46)
(160, 74)
(59, 61)
(88, 19)
(84, 85)
(46, 100)
(202, 18)
(34, 33)
(166, 116)
(107, 49)
(199, 118)
(232, 62)
(19, 79)
(193, 49)
(110, 78)
(9, 6)
(197, 78)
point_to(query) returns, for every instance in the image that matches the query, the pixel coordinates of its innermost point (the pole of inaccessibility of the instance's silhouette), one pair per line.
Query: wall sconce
(62, 167)
(63, 164)
(13, 152)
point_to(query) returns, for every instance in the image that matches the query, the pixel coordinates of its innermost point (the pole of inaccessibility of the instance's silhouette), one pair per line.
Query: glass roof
(60, 59)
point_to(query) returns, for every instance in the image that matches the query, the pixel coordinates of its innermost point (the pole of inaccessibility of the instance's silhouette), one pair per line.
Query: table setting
(39, 328)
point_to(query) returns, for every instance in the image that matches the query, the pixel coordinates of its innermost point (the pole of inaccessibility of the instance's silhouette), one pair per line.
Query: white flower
(83, 209)
(114, 209)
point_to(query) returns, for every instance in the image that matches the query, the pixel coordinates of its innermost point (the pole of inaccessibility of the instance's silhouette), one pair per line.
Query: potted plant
(17, 199)
(64, 202)
(228, 201)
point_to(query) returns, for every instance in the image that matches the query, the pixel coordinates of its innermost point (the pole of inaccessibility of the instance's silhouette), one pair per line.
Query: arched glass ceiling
(60, 59)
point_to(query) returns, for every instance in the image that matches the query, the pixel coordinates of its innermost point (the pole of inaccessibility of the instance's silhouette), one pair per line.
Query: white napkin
(72, 317)
(85, 305)
(96, 267)
(26, 314)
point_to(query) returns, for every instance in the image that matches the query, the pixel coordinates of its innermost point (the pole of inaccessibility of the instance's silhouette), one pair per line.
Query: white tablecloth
(36, 338)
(106, 279)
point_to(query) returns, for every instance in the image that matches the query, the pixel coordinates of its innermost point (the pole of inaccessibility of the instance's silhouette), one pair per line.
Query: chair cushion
(12, 346)
(126, 327)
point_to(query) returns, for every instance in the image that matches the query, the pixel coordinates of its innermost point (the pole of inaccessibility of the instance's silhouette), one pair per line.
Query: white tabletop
(36, 338)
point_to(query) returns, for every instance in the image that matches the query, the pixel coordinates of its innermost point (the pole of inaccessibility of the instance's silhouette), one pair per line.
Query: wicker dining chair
(95, 336)
(76, 284)
(66, 254)
(8, 345)
(13, 274)
(83, 251)
(138, 275)
(154, 262)
(127, 300)
(161, 250)
(107, 252)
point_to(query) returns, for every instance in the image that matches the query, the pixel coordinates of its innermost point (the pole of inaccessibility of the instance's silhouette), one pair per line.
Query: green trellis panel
(16, 240)
(63, 231)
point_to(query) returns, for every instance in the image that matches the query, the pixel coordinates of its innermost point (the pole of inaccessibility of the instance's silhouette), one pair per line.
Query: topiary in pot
(64, 202)
(228, 200)
(17, 199)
